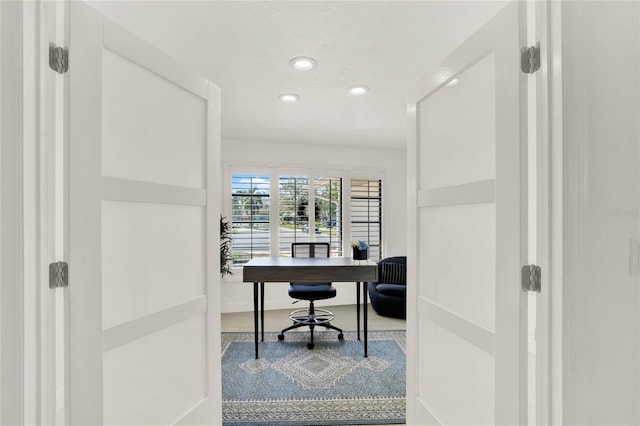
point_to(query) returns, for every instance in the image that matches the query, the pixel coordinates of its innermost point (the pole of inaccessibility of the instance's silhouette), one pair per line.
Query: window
(294, 211)
(299, 223)
(328, 201)
(366, 214)
(258, 232)
(250, 203)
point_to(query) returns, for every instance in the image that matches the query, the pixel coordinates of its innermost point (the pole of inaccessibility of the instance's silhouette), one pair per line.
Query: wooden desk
(308, 270)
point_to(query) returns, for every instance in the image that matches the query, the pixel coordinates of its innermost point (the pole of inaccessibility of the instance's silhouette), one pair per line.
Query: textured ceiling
(245, 48)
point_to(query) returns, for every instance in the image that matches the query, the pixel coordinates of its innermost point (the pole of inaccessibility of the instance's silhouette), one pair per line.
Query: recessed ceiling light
(288, 97)
(302, 63)
(358, 90)
(453, 82)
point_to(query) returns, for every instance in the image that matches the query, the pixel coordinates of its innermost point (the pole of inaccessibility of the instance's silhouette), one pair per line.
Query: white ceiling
(245, 48)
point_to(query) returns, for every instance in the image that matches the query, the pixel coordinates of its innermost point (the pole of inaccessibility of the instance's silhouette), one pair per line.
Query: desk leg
(255, 316)
(358, 307)
(364, 305)
(262, 309)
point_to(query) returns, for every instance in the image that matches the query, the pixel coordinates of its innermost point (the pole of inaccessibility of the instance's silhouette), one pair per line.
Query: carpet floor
(333, 384)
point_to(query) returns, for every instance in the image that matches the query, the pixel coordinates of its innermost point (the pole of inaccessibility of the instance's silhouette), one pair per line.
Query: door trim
(214, 181)
(84, 249)
(555, 302)
(549, 151)
(12, 368)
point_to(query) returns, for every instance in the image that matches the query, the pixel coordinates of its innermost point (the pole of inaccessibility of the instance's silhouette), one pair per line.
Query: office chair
(311, 317)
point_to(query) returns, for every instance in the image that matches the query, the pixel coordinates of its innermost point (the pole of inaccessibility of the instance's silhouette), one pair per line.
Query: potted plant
(360, 250)
(225, 247)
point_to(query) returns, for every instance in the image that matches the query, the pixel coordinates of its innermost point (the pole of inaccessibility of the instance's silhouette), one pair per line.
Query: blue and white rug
(333, 384)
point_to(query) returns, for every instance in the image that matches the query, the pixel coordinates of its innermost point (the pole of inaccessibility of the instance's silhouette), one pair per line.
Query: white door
(144, 141)
(467, 231)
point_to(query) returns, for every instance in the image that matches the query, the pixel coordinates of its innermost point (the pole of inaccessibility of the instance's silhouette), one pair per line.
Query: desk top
(309, 269)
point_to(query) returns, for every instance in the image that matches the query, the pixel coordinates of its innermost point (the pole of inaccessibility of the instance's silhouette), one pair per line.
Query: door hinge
(58, 275)
(58, 58)
(531, 277)
(530, 59)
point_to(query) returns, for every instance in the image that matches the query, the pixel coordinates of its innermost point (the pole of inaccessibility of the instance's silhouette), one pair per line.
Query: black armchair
(389, 296)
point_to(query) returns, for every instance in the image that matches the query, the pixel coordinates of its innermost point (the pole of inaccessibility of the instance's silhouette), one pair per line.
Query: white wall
(601, 329)
(237, 296)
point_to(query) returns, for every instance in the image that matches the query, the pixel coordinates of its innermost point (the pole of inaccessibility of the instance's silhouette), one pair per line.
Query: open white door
(143, 176)
(466, 313)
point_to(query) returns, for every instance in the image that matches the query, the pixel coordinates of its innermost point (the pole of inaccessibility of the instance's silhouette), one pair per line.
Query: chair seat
(398, 290)
(312, 291)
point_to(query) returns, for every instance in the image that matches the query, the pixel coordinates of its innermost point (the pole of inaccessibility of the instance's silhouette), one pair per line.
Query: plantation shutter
(250, 202)
(366, 214)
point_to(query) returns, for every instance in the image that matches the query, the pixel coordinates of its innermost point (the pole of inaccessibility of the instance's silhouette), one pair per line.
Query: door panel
(464, 373)
(458, 248)
(137, 237)
(457, 128)
(144, 149)
(147, 366)
(160, 118)
(466, 313)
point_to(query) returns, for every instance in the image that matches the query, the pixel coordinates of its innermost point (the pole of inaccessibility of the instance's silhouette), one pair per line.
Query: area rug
(332, 384)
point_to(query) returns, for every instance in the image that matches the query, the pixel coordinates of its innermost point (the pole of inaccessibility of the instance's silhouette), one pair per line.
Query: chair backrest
(393, 270)
(310, 249)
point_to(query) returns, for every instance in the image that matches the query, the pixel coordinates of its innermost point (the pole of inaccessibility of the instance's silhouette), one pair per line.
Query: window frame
(230, 216)
(381, 222)
(274, 173)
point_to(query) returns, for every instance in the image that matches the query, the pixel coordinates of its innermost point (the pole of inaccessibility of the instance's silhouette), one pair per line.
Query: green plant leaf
(226, 256)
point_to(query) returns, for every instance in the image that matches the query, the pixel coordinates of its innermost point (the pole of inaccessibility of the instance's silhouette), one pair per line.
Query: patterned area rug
(333, 384)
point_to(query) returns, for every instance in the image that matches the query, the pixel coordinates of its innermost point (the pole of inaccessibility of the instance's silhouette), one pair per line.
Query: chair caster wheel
(341, 337)
(281, 337)
(310, 345)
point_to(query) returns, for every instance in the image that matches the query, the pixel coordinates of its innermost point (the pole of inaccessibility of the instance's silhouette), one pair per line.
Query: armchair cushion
(397, 290)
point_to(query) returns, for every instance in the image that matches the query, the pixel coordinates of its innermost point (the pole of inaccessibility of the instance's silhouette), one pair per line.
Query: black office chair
(311, 317)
